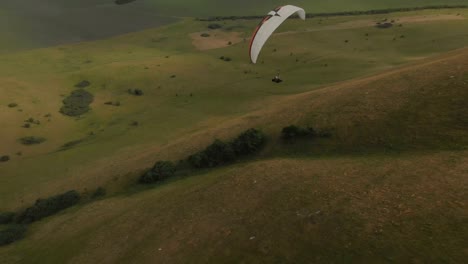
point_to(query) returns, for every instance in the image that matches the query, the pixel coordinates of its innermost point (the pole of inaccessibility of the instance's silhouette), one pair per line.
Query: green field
(393, 98)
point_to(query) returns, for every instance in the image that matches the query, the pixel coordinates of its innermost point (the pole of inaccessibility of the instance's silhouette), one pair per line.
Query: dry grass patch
(216, 39)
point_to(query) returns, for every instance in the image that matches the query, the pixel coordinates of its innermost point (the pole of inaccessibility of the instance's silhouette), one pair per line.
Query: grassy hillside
(205, 91)
(348, 198)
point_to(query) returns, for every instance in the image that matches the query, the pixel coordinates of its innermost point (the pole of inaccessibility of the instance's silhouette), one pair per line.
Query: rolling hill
(388, 185)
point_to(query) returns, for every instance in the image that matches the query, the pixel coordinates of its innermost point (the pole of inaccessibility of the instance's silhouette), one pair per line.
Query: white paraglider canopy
(268, 25)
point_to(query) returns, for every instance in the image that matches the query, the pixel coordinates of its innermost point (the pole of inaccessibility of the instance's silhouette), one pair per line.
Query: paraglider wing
(268, 25)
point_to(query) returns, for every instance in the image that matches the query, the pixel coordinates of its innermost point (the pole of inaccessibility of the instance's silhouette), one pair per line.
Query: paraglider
(268, 25)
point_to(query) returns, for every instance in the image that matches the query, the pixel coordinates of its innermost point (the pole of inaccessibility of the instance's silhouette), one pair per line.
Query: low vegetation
(32, 140)
(214, 26)
(99, 192)
(123, 2)
(49, 206)
(160, 171)
(71, 144)
(293, 132)
(12, 234)
(116, 103)
(137, 92)
(11, 105)
(220, 152)
(77, 103)
(6, 217)
(83, 84)
(384, 25)
(4, 158)
(225, 58)
(205, 35)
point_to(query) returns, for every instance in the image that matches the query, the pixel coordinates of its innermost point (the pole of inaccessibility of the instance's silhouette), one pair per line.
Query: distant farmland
(29, 24)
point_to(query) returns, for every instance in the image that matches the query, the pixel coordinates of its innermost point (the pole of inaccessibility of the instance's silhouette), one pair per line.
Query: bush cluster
(31, 140)
(77, 103)
(12, 234)
(292, 131)
(160, 171)
(83, 84)
(116, 103)
(6, 217)
(225, 58)
(384, 25)
(214, 26)
(49, 206)
(219, 152)
(122, 2)
(99, 192)
(137, 92)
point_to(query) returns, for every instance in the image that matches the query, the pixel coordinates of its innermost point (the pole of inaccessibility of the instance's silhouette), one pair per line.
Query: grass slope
(38, 80)
(293, 204)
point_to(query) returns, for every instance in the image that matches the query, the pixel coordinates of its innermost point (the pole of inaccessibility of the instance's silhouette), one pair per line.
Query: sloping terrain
(189, 93)
(389, 185)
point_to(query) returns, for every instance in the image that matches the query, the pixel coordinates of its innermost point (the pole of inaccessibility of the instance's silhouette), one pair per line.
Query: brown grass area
(217, 39)
(407, 209)
(34, 99)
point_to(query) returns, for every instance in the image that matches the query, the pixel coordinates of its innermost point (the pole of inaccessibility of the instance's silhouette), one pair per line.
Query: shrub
(205, 35)
(6, 217)
(137, 92)
(4, 158)
(31, 140)
(160, 171)
(49, 206)
(214, 26)
(11, 105)
(384, 25)
(77, 103)
(219, 152)
(83, 84)
(122, 2)
(248, 142)
(292, 131)
(227, 59)
(100, 191)
(71, 144)
(214, 155)
(12, 234)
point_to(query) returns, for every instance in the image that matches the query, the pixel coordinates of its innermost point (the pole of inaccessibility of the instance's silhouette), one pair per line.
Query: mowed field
(388, 186)
(186, 90)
